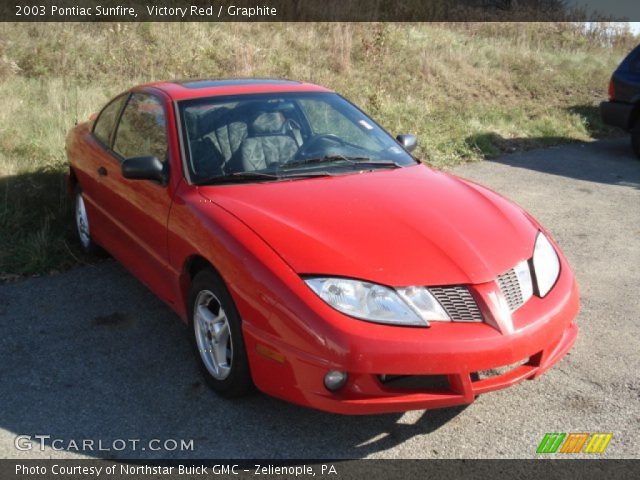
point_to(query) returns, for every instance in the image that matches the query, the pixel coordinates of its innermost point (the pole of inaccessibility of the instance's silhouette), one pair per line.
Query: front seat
(268, 144)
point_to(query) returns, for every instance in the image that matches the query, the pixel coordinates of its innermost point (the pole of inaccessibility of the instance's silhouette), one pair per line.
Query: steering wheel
(291, 125)
(312, 143)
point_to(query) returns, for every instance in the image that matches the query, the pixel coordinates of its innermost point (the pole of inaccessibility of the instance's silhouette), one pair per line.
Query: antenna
(75, 121)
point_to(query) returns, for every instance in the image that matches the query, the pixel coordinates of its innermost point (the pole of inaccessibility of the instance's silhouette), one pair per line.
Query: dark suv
(623, 108)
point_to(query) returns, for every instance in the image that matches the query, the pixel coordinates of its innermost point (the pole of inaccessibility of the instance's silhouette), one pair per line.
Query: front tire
(216, 332)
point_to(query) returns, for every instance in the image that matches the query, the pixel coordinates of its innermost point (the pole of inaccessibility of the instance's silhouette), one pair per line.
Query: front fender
(268, 293)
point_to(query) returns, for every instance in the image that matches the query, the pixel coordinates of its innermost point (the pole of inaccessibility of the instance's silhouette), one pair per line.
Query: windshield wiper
(324, 159)
(237, 177)
(255, 176)
(340, 158)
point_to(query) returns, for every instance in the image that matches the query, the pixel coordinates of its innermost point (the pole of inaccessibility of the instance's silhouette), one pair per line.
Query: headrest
(268, 122)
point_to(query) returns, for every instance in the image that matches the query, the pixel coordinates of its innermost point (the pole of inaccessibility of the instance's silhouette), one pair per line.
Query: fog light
(335, 380)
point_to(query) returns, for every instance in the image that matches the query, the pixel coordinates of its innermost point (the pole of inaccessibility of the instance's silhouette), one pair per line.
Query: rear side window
(106, 121)
(142, 128)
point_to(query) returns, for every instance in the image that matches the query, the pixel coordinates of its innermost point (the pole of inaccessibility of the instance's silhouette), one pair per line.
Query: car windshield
(269, 137)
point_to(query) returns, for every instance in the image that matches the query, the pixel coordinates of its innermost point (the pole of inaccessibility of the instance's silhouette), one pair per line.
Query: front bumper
(459, 357)
(367, 394)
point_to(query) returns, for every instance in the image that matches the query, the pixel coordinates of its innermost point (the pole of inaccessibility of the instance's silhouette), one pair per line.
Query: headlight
(546, 264)
(376, 303)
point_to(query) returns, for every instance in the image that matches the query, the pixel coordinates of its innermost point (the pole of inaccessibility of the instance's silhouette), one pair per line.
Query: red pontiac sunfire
(311, 254)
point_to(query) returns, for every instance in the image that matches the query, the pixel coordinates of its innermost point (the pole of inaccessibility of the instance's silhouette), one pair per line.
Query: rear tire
(83, 229)
(216, 333)
(635, 138)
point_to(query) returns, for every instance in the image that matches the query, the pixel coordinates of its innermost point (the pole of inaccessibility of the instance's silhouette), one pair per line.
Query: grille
(424, 383)
(497, 371)
(510, 287)
(458, 303)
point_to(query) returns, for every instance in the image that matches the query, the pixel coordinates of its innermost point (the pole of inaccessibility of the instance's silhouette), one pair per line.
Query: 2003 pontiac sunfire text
(152, 11)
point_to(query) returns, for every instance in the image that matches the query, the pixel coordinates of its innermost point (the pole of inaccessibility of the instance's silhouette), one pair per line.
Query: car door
(138, 210)
(90, 155)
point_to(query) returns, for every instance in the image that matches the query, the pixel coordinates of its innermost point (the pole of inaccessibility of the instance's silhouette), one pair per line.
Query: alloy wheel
(213, 336)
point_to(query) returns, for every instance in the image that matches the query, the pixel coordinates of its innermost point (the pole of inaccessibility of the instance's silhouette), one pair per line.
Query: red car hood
(408, 226)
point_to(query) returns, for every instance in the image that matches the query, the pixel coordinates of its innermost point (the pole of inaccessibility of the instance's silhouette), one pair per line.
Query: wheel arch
(192, 265)
(72, 181)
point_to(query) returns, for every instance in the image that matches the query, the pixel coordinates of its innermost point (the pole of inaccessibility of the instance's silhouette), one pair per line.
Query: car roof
(187, 89)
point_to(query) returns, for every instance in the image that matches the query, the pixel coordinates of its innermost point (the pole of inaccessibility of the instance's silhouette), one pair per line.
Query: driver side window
(142, 128)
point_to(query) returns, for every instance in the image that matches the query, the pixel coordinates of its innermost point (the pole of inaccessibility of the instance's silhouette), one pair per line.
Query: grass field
(467, 91)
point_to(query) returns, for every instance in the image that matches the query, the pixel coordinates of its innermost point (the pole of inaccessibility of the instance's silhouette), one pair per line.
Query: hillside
(466, 90)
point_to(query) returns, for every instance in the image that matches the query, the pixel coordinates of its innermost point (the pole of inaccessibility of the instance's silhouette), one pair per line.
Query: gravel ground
(91, 354)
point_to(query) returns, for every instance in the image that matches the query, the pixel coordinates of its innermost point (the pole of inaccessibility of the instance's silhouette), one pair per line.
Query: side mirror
(145, 168)
(409, 142)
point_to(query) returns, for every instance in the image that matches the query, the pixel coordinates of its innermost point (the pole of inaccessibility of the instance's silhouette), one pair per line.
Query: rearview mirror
(409, 142)
(145, 168)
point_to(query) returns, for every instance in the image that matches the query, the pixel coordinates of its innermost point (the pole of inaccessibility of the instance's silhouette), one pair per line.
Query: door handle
(102, 172)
